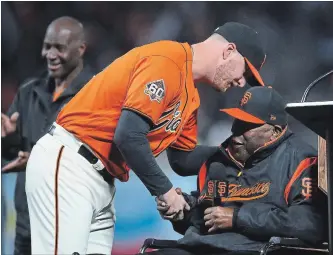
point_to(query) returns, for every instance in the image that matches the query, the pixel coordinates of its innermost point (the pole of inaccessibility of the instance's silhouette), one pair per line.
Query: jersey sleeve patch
(155, 90)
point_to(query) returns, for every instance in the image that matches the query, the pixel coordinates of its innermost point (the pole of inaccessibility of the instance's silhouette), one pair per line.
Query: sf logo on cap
(245, 98)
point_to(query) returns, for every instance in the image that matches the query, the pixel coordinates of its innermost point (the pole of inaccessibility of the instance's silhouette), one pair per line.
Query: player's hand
(162, 207)
(218, 218)
(8, 125)
(19, 162)
(175, 203)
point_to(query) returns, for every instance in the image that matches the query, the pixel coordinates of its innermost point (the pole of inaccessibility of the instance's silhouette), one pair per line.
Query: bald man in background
(37, 105)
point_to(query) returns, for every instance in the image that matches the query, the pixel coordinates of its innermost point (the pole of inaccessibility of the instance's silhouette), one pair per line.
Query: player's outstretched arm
(131, 140)
(188, 163)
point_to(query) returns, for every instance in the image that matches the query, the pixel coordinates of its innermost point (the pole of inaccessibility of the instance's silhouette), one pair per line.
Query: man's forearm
(130, 138)
(182, 225)
(188, 163)
(194, 218)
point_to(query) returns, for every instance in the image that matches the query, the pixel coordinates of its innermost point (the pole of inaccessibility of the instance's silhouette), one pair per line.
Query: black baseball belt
(91, 158)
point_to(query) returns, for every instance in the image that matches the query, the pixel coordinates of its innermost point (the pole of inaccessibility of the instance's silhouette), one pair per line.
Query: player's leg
(103, 224)
(59, 200)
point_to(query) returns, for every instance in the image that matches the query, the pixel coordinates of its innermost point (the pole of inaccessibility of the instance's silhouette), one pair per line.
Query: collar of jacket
(263, 151)
(47, 83)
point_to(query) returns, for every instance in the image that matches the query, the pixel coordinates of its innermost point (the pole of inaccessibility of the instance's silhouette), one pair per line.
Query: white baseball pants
(71, 207)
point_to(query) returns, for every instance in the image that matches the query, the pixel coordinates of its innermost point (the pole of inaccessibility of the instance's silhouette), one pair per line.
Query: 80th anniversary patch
(155, 90)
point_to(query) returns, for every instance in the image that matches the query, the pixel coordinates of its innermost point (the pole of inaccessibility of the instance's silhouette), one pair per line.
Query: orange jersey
(154, 80)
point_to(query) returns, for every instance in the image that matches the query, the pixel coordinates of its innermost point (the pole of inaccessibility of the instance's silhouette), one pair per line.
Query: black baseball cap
(260, 105)
(248, 44)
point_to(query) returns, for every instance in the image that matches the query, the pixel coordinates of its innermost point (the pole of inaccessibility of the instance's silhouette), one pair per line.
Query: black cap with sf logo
(260, 105)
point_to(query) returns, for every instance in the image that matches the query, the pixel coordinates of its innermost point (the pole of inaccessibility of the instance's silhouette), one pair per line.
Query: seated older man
(261, 183)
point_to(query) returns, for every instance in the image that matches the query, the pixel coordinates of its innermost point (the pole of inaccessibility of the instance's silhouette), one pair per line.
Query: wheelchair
(281, 244)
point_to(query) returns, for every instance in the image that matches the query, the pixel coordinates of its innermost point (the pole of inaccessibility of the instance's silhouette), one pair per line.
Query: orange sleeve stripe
(202, 176)
(300, 169)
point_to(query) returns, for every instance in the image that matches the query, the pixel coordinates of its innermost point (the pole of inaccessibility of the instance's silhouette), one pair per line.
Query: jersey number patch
(155, 90)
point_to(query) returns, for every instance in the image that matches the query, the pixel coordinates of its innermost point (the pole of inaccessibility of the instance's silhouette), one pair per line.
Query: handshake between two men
(206, 209)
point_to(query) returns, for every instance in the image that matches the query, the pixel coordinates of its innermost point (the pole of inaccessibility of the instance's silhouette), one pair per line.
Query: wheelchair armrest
(295, 242)
(288, 242)
(158, 244)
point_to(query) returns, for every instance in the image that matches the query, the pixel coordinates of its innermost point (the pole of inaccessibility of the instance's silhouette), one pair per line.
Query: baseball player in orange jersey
(137, 107)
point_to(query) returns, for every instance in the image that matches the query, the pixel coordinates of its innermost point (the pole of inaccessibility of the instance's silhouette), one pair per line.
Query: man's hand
(171, 205)
(218, 218)
(19, 162)
(8, 125)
